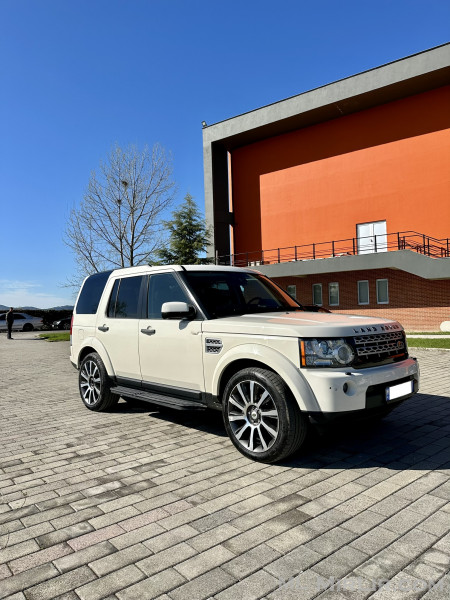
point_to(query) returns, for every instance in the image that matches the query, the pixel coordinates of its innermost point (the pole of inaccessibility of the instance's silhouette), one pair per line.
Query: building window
(382, 291)
(317, 294)
(363, 292)
(292, 290)
(333, 294)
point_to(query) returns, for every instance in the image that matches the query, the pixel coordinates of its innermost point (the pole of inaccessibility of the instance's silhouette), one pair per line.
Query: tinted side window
(17, 317)
(127, 303)
(2, 317)
(163, 287)
(91, 293)
(112, 299)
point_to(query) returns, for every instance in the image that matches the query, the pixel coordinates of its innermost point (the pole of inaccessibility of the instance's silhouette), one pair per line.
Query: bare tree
(118, 222)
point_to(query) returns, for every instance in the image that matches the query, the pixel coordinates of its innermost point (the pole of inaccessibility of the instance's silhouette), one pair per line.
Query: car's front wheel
(94, 385)
(261, 417)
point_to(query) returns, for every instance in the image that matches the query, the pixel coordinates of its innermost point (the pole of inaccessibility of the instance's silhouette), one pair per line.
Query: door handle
(148, 331)
(103, 328)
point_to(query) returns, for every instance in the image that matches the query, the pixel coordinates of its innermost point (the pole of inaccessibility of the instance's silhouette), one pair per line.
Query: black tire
(94, 384)
(28, 327)
(66, 326)
(261, 417)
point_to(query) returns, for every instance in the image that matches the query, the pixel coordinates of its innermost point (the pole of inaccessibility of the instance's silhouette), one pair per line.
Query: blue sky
(78, 76)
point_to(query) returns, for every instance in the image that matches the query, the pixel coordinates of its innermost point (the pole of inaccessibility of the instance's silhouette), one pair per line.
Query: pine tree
(188, 236)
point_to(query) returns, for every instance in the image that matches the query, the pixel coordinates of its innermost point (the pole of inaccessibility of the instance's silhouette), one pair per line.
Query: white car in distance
(22, 322)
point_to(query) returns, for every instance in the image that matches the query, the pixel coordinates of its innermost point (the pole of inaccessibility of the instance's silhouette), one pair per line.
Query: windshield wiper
(250, 311)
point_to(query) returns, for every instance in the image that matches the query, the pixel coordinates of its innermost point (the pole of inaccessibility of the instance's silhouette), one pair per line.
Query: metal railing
(404, 240)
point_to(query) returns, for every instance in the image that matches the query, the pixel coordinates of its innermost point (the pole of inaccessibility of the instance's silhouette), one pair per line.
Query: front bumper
(347, 391)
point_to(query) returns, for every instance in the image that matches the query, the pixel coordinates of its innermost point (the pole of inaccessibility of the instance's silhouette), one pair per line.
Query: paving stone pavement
(136, 504)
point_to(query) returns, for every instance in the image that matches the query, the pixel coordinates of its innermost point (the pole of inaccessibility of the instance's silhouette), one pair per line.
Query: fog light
(345, 387)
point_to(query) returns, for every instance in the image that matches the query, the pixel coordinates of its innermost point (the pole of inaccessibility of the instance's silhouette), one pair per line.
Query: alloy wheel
(253, 416)
(90, 382)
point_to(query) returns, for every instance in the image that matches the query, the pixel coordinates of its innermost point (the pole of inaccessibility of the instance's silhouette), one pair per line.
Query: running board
(159, 399)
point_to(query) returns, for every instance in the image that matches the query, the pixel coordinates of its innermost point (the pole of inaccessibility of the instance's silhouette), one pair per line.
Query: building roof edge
(395, 74)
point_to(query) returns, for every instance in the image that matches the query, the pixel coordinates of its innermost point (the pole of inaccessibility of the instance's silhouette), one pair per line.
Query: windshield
(229, 293)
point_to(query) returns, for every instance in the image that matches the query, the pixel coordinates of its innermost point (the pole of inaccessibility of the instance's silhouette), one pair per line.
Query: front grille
(379, 348)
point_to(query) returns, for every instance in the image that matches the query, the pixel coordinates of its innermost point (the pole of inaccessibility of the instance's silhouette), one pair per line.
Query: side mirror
(177, 310)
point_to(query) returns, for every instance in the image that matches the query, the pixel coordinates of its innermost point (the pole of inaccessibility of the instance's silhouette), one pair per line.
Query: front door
(170, 350)
(371, 237)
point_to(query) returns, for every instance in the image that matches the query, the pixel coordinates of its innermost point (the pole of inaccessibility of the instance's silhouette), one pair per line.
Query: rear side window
(91, 293)
(124, 301)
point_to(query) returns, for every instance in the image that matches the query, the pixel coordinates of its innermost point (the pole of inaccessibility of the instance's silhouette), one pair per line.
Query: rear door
(118, 327)
(19, 321)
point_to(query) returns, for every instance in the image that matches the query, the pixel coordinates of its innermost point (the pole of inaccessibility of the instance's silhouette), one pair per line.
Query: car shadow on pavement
(414, 436)
(23, 339)
(202, 420)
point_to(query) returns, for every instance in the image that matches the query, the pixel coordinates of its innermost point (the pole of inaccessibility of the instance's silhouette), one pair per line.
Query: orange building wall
(388, 163)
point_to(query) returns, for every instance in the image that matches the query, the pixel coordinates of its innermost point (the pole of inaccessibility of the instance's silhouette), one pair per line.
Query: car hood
(300, 324)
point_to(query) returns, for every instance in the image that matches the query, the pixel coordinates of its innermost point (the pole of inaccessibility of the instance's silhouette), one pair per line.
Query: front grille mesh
(380, 345)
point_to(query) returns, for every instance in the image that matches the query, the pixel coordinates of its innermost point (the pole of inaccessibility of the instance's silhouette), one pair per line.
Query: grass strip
(428, 343)
(427, 333)
(55, 337)
(412, 342)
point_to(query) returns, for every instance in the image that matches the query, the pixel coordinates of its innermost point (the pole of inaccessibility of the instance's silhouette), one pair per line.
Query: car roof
(167, 268)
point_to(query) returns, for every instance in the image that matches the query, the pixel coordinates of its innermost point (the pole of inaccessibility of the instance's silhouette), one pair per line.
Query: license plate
(399, 390)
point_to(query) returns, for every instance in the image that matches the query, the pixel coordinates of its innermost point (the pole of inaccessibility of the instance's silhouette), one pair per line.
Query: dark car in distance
(62, 323)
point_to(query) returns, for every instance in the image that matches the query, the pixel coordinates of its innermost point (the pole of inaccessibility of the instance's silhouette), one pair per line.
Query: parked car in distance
(22, 322)
(62, 323)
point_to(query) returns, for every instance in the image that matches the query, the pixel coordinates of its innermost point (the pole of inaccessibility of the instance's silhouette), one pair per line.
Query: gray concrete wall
(404, 260)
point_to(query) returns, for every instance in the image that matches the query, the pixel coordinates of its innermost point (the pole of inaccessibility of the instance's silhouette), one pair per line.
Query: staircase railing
(404, 240)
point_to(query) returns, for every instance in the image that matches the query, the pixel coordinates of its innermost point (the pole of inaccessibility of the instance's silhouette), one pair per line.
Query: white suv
(199, 337)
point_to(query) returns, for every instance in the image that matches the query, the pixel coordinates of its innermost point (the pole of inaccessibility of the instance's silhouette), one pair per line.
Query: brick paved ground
(140, 505)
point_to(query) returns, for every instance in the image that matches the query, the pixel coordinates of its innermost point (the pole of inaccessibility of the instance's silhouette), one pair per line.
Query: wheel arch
(233, 368)
(265, 358)
(93, 345)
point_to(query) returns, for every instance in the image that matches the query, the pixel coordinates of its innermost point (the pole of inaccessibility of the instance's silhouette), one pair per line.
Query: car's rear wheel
(261, 417)
(28, 327)
(94, 384)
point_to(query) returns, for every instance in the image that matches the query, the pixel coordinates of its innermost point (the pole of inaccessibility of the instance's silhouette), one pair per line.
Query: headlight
(325, 353)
